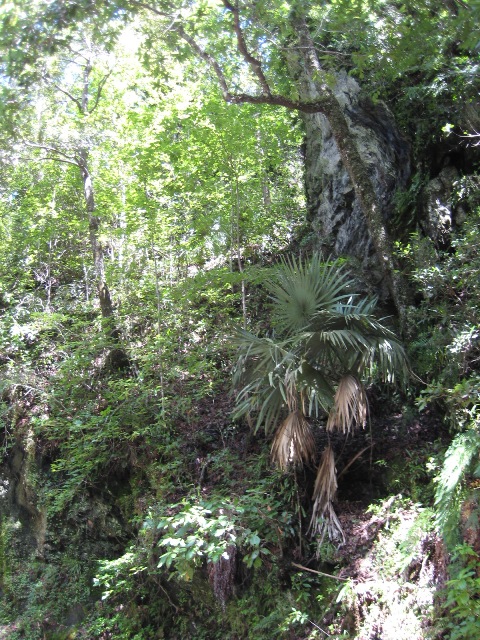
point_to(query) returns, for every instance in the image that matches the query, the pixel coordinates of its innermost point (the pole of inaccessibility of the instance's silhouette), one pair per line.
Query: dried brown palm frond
(324, 519)
(350, 405)
(293, 443)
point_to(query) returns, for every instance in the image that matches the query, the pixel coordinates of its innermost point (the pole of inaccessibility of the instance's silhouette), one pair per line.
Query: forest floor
(393, 559)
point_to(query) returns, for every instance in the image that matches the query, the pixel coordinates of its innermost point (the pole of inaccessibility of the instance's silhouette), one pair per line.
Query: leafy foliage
(139, 474)
(326, 339)
(462, 594)
(324, 335)
(458, 460)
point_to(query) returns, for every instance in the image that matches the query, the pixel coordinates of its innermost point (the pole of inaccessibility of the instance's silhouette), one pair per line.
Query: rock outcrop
(334, 210)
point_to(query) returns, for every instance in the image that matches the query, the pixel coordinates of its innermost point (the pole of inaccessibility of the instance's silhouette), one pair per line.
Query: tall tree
(245, 47)
(246, 74)
(68, 93)
(268, 53)
(81, 67)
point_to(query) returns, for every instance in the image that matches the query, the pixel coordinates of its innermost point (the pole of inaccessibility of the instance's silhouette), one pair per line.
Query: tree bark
(117, 358)
(104, 297)
(313, 89)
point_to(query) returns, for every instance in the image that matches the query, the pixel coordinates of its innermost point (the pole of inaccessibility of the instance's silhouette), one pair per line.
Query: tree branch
(80, 54)
(49, 149)
(101, 84)
(254, 64)
(208, 58)
(144, 5)
(70, 162)
(241, 98)
(69, 95)
(86, 87)
(320, 573)
(318, 106)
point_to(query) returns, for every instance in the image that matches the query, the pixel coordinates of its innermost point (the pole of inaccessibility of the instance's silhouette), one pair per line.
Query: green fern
(449, 493)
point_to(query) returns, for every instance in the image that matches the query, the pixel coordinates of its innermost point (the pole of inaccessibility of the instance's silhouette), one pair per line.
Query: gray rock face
(438, 209)
(334, 210)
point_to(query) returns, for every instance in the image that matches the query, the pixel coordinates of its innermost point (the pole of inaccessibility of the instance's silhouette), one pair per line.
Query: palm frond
(349, 337)
(264, 401)
(316, 387)
(323, 332)
(302, 289)
(258, 353)
(350, 405)
(339, 339)
(324, 519)
(293, 443)
(392, 360)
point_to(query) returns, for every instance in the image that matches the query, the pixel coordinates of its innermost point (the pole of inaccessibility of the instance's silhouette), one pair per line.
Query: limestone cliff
(334, 210)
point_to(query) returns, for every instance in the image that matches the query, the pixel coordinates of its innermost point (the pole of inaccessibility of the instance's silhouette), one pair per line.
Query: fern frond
(458, 458)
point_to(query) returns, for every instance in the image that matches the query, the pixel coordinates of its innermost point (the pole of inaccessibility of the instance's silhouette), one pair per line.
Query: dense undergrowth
(138, 499)
(146, 511)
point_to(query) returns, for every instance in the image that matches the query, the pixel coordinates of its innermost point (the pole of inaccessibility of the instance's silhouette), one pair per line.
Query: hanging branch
(69, 95)
(50, 149)
(254, 63)
(101, 84)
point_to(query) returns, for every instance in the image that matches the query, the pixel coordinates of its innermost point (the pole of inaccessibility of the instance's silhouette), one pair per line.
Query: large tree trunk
(313, 88)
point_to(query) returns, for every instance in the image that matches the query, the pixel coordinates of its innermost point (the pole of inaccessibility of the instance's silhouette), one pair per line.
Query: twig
(355, 457)
(320, 573)
(320, 628)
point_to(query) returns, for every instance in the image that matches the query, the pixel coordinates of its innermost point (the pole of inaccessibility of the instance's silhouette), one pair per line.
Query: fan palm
(326, 343)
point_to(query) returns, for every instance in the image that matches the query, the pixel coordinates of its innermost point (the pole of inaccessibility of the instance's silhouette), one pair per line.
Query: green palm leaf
(328, 342)
(317, 388)
(301, 290)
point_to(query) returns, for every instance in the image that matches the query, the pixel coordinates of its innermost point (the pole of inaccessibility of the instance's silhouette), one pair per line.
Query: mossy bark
(318, 97)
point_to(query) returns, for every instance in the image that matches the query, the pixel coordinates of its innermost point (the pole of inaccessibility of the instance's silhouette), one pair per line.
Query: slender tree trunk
(267, 200)
(238, 239)
(117, 358)
(104, 297)
(159, 325)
